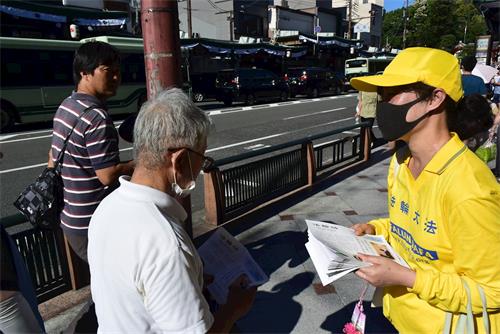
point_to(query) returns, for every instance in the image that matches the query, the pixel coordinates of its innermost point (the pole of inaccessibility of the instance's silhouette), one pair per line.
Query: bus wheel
(7, 118)
(198, 97)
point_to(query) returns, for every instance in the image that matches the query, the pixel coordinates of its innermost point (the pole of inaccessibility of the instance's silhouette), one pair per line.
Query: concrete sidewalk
(293, 300)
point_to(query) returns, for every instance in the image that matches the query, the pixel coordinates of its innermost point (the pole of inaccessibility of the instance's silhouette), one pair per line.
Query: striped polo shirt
(93, 145)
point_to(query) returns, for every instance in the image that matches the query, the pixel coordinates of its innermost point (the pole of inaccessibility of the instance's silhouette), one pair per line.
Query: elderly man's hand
(241, 296)
(385, 272)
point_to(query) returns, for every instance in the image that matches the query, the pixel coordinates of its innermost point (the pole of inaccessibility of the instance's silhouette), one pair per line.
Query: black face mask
(391, 119)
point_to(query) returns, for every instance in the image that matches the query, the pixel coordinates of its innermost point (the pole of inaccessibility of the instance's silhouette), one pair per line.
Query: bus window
(37, 75)
(355, 63)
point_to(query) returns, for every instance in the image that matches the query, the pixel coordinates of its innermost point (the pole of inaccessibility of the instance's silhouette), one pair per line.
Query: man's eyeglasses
(208, 162)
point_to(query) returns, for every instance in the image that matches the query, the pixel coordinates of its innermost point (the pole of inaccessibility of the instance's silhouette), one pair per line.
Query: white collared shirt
(146, 276)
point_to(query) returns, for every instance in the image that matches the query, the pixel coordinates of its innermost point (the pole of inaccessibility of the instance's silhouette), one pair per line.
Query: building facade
(366, 19)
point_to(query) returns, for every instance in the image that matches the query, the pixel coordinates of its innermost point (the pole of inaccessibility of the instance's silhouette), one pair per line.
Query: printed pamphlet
(334, 248)
(225, 258)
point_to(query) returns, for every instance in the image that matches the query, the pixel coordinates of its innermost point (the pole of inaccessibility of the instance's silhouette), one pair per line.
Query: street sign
(361, 27)
(317, 29)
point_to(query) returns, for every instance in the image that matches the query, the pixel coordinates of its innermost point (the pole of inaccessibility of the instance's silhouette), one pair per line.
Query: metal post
(349, 20)
(231, 26)
(214, 197)
(189, 23)
(405, 12)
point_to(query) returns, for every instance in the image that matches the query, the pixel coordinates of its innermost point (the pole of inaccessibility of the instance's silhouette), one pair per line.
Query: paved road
(236, 130)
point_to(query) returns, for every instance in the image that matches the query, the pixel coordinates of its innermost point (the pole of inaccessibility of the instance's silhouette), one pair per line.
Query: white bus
(362, 66)
(36, 76)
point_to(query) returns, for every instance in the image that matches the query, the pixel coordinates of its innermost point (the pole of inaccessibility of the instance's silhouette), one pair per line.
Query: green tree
(392, 29)
(435, 23)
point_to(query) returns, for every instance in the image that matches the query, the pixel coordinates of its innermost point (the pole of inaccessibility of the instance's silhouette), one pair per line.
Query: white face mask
(184, 192)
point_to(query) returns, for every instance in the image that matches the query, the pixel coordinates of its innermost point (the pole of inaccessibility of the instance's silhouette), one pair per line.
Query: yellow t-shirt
(446, 225)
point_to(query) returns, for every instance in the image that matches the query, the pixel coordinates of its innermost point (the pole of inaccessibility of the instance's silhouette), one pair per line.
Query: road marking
(209, 150)
(4, 141)
(314, 113)
(219, 112)
(7, 137)
(256, 147)
(277, 135)
(212, 149)
(3, 138)
(21, 168)
(24, 139)
(245, 142)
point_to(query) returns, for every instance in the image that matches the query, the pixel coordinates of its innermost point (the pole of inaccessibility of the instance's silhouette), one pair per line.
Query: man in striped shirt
(91, 161)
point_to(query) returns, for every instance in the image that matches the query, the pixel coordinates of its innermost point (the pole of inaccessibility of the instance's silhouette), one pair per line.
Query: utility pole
(162, 51)
(349, 19)
(405, 12)
(230, 18)
(189, 23)
(162, 57)
(231, 25)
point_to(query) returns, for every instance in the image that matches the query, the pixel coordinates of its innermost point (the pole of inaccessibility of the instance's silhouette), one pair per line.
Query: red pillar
(162, 56)
(162, 51)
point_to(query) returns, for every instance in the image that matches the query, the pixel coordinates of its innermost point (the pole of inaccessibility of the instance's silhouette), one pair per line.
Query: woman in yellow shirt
(444, 203)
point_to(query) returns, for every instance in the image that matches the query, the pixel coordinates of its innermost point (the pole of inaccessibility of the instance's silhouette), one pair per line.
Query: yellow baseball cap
(433, 67)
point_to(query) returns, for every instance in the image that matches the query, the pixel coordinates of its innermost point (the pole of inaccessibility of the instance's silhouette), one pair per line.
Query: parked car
(250, 85)
(203, 86)
(313, 81)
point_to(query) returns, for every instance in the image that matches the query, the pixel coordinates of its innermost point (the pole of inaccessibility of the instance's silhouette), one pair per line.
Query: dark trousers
(371, 120)
(79, 245)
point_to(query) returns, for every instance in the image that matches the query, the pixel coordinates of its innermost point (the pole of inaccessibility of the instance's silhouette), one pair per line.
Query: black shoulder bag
(42, 201)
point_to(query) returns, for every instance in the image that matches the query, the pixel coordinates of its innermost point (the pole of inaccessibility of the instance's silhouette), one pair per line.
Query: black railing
(45, 258)
(259, 181)
(254, 178)
(334, 153)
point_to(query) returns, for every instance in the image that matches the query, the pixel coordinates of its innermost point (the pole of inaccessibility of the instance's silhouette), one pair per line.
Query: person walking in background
(443, 201)
(495, 82)
(472, 84)
(91, 161)
(146, 275)
(472, 123)
(366, 109)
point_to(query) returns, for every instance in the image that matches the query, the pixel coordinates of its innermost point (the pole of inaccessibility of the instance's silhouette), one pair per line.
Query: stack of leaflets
(226, 259)
(334, 248)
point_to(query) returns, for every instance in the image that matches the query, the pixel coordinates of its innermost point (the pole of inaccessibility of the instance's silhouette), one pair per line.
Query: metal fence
(335, 152)
(257, 182)
(45, 258)
(254, 178)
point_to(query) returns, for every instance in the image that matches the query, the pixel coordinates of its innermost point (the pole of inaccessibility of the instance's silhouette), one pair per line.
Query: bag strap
(60, 156)
(486, 321)
(467, 320)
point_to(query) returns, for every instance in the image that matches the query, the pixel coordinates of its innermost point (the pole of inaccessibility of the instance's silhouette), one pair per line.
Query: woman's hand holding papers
(385, 272)
(361, 229)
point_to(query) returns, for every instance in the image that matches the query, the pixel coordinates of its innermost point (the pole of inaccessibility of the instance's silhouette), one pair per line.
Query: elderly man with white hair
(146, 276)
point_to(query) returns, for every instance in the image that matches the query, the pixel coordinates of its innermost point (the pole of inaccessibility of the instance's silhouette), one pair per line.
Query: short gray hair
(170, 120)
